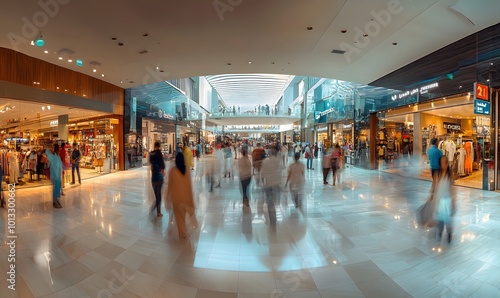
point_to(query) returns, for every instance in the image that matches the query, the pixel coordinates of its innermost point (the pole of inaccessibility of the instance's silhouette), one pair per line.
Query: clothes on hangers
(468, 157)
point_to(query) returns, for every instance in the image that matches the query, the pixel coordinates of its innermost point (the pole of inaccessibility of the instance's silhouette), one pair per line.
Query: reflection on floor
(27, 183)
(357, 239)
(413, 169)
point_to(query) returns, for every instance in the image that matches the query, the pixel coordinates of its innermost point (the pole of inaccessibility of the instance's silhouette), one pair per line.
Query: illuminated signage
(422, 90)
(481, 107)
(330, 110)
(481, 91)
(452, 126)
(79, 62)
(54, 123)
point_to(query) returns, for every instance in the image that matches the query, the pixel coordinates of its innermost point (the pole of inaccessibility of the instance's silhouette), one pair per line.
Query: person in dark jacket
(157, 165)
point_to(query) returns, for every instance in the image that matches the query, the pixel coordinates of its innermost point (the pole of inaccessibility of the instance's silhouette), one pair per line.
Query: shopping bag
(425, 213)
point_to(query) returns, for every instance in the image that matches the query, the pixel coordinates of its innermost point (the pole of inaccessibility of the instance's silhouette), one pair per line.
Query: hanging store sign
(330, 110)
(481, 92)
(481, 107)
(452, 126)
(54, 123)
(422, 90)
(322, 129)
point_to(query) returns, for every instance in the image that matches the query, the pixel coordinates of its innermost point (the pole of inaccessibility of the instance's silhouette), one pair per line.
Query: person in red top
(62, 155)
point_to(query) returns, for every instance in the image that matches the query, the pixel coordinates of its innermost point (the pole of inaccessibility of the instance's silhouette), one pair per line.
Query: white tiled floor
(358, 239)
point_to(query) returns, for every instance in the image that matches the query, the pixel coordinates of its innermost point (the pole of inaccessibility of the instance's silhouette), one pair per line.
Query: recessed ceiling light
(57, 88)
(46, 52)
(94, 70)
(70, 60)
(310, 28)
(60, 58)
(249, 62)
(229, 63)
(365, 35)
(394, 43)
(491, 63)
(121, 82)
(487, 80)
(120, 44)
(102, 75)
(113, 38)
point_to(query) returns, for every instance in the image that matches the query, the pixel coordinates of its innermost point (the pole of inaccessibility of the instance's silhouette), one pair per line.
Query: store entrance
(27, 128)
(463, 137)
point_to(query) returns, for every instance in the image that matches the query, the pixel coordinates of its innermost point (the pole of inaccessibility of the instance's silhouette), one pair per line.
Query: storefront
(464, 137)
(27, 128)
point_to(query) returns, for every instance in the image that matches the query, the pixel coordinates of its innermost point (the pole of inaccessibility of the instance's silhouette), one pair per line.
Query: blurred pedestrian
(308, 154)
(296, 177)
(446, 200)
(271, 175)
(245, 172)
(188, 157)
(335, 161)
(55, 173)
(180, 194)
(327, 165)
(157, 165)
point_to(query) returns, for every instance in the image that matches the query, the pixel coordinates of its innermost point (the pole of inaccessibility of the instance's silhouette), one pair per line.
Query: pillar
(373, 141)
(417, 138)
(62, 127)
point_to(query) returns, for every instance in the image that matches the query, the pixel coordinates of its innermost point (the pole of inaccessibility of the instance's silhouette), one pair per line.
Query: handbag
(425, 214)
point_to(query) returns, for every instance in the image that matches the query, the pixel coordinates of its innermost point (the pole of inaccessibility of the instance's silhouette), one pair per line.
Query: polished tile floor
(357, 239)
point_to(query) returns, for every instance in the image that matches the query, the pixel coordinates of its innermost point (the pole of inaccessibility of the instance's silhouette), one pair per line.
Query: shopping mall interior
(370, 83)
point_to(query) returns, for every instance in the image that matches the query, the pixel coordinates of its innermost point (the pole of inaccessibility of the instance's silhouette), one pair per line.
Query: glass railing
(254, 114)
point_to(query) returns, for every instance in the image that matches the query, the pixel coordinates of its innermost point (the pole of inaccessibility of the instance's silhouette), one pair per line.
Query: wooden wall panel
(21, 69)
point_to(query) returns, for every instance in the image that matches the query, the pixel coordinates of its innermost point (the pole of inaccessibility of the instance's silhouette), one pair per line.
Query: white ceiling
(195, 38)
(249, 90)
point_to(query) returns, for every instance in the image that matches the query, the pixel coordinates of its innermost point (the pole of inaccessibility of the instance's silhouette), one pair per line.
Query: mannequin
(13, 166)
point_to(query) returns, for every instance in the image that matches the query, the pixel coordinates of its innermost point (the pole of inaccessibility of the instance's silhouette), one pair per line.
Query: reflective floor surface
(357, 239)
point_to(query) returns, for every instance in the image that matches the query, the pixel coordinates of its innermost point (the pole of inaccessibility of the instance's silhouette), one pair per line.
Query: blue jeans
(56, 188)
(309, 162)
(77, 167)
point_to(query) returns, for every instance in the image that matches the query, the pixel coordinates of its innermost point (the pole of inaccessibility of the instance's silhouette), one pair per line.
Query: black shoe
(57, 205)
(449, 237)
(325, 183)
(159, 214)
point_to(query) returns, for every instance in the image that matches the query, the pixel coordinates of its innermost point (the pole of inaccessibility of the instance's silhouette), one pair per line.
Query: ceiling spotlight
(487, 80)
(60, 58)
(103, 75)
(38, 41)
(46, 52)
(157, 68)
(491, 63)
(48, 108)
(309, 28)
(94, 70)
(121, 82)
(249, 62)
(229, 63)
(70, 60)
(120, 44)
(343, 31)
(43, 108)
(394, 43)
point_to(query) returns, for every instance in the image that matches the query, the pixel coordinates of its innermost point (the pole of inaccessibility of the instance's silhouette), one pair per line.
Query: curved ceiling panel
(249, 90)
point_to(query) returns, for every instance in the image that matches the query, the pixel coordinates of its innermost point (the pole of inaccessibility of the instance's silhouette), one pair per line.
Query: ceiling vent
(340, 52)
(143, 52)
